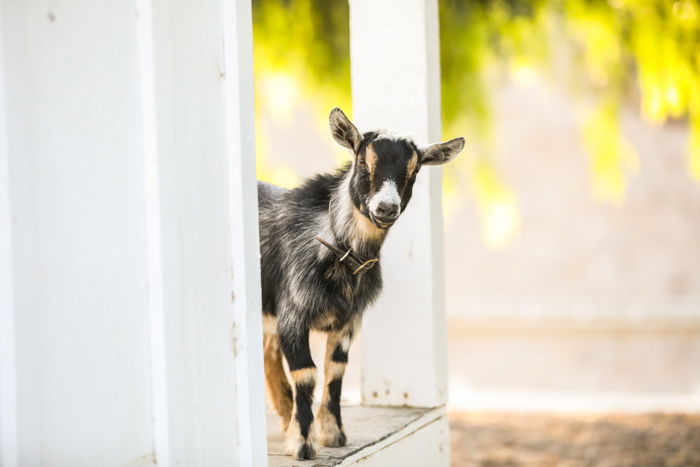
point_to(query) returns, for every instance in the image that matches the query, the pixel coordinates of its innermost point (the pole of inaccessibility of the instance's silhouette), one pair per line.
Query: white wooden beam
(247, 305)
(209, 260)
(8, 358)
(396, 86)
(128, 234)
(75, 174)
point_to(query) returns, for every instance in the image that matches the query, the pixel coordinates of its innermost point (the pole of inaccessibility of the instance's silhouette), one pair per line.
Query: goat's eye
(361, 161)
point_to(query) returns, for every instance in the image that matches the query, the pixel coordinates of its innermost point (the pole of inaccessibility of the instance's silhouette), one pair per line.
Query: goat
(320, 269)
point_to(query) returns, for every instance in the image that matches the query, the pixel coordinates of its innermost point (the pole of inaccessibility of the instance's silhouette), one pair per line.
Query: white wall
(130, 317)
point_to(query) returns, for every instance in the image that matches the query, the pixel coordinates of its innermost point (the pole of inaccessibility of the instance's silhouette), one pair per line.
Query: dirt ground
(490, 439)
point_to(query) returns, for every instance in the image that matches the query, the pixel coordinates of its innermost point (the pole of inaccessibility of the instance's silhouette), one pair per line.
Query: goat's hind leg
(300, 436)
(278, 389)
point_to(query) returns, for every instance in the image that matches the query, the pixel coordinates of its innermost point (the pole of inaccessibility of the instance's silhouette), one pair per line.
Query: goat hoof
(298, 446)
(306, 451)
(338, 441)
(333, 438)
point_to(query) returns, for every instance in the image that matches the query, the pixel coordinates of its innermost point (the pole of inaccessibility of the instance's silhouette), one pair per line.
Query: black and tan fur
(304, 285)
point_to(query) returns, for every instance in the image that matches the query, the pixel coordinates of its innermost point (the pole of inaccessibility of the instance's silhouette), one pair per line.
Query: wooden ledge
(369, 431)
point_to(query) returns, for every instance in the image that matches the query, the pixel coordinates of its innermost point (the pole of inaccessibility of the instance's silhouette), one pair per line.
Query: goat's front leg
(330, 425)
(295, 346)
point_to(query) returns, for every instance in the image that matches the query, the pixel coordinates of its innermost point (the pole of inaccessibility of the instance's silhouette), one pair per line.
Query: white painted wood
(202, 74)
(427, 445)
(247, 305)
(371, 431)
(192, 238)
(396, 86)
(8, 371)
(421, 442)
(128, 233)
(154, 260)
(78, 249)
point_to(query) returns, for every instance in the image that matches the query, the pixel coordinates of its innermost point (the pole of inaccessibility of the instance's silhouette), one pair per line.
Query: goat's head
(385, 167)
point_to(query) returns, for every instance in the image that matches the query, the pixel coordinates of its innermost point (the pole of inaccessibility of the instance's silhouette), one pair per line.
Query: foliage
(620, 53)
(301, 52)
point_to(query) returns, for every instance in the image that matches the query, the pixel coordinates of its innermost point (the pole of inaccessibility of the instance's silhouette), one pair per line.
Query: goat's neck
(349, 225)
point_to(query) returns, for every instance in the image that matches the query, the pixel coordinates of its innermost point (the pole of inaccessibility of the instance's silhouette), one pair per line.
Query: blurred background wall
(572, 219)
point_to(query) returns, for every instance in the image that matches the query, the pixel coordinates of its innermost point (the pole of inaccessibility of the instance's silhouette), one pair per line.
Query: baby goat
(320, 247)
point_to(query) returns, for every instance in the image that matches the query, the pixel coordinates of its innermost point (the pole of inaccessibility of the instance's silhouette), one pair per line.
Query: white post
(212, 395)
(239, 105)
(396, 86)
(130, 325)
(76, 224)
(247, 304)
(8, 361)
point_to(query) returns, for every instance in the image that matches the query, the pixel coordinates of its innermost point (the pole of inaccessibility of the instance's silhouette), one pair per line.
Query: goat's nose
(388, 210)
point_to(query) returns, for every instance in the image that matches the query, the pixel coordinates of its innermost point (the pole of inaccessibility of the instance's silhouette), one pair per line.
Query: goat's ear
(344, 132)
(441, 153)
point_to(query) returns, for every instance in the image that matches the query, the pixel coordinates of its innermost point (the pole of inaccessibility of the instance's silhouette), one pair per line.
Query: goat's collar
(352, 262)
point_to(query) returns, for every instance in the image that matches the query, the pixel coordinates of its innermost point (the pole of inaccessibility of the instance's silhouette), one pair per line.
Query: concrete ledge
(652, 313)
(373, 434)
